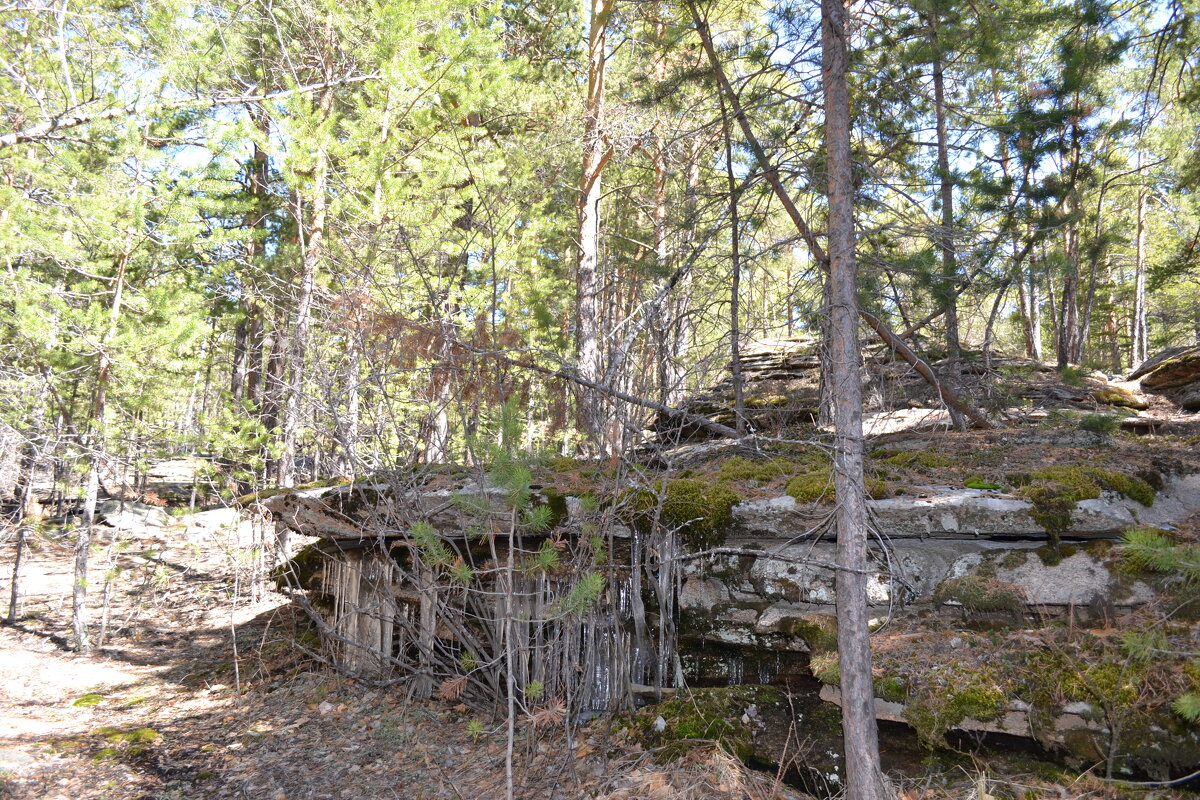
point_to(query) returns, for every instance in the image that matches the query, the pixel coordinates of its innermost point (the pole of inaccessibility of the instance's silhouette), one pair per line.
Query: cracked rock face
(910, 573)
(976, 513)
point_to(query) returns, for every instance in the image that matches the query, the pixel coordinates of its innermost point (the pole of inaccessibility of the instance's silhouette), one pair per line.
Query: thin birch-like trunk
(83, 540)
(313, 242)
(587, 279)
(1140, 348)
(735, 335)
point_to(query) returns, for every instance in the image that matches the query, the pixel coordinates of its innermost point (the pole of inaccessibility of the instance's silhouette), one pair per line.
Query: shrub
(1100, 423)
(1072, 376)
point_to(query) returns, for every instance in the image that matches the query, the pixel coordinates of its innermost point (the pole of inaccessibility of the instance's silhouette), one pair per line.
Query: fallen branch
(924, 370)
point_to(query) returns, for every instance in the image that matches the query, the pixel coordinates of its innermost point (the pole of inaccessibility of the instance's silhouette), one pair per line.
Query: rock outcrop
(1175, 373)
(129, 515)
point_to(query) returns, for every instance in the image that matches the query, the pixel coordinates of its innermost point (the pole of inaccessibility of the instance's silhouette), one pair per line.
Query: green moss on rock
(818, 631)
(812, 487)
(1055, 492)
(738, 468)
(891, 688)
(934, 713)
(703, 715)
(980, 595)
(1116, 396)
(825, 668)
(908, 458)
(1087, 482)
(816, 486)
(700, 511)
(564, 464)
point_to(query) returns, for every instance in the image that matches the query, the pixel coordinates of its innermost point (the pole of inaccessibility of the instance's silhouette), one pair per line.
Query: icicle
(735, 665)
(625, 598)
(767, 669)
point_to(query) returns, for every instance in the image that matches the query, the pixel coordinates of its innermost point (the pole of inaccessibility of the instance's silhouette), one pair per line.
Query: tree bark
(864, 776)
(1089, 304)
(237, 371)
(83, 540)
(587, 284)
(1069, 344)
(1035, 315)
(947, 286)
(735, 334)
(25, 511)
(1139, 349)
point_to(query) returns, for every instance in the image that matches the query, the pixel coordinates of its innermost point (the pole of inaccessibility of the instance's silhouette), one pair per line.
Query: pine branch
(771, 173)
(65, 121)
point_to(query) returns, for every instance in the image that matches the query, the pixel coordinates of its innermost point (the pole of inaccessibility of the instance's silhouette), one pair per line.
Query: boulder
(127, 515)
(1170, 369)
(798, 575)
(214, 519)
(1114, 395)
(1073, 578)
(1189, 396)
(943, 512)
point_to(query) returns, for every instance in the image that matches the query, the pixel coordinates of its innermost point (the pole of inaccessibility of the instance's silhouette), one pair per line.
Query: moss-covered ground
(672, 727)
(1125, 675)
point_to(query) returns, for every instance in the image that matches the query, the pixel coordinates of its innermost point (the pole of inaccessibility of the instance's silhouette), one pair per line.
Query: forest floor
(166, 707)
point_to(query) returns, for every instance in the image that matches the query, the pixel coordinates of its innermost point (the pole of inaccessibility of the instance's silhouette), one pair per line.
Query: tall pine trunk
(735, 333)
(948, 284)
(313, 249)
(864, 777)
(1070, 348)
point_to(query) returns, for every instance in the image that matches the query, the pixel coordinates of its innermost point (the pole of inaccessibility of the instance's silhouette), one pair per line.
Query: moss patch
(125, 743)
(908, 458)
(738, 468)
(703, 715)
(1116, 396)
(980, 595)
(812, 487)
(818, 631)
(254, 497)
(825, 668)
(701, 511)
(1055, 492)
(816, 486)
(1086, 482)
(934, 713)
